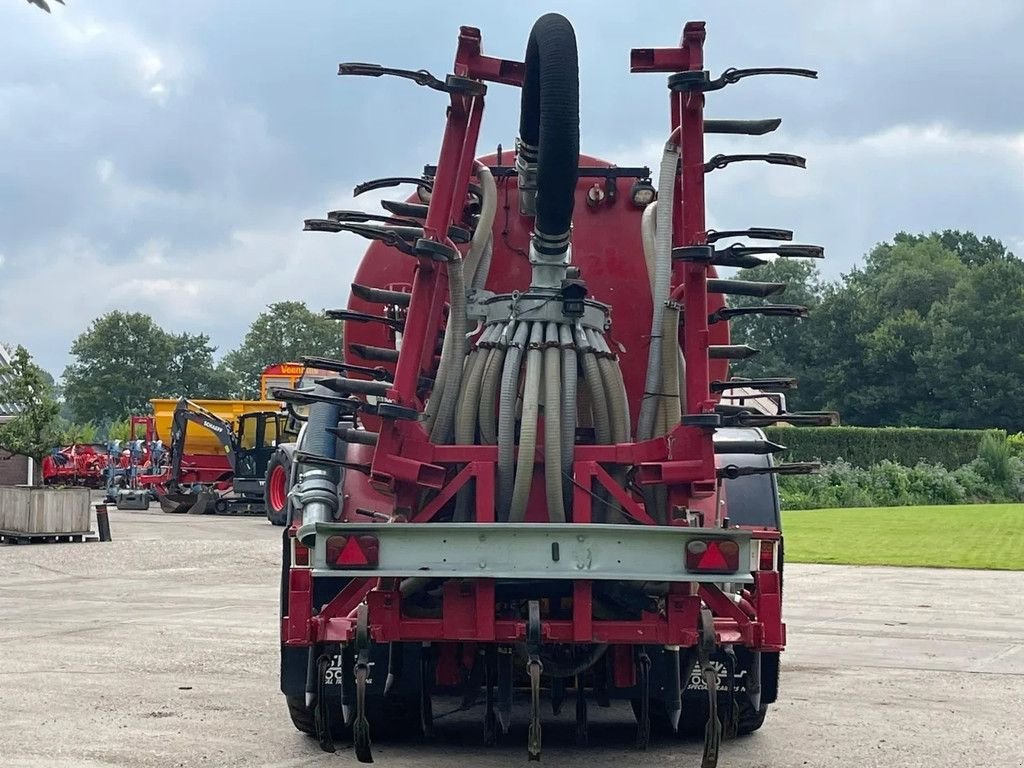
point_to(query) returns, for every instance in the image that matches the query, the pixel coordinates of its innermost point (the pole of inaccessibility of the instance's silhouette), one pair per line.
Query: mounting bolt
(483, 563)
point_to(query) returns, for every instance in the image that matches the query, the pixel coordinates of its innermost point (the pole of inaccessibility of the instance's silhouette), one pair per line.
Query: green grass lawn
(989, 536)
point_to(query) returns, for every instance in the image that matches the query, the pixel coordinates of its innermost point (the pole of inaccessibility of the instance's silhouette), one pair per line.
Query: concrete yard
(160, 649)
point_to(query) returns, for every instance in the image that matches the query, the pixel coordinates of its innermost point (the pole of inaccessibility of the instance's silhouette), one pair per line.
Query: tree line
(125, 359)
(928, 332)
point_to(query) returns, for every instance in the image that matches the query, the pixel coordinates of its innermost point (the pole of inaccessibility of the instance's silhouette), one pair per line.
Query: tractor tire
(750, 719)
(301, 715)
(276, 493)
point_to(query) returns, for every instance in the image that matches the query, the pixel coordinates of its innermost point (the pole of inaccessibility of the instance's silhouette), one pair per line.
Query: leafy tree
(283, 333)
(125, 359)
(120, 430)
(82, 434)
(859, 350)
(974, 362)
(969, 248)
(34, 430)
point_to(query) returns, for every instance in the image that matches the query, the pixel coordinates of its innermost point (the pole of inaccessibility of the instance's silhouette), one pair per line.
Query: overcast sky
(161, 156)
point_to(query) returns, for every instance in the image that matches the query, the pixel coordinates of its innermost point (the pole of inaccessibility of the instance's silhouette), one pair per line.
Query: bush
(869, 446)
(887, 484)
(994, 454)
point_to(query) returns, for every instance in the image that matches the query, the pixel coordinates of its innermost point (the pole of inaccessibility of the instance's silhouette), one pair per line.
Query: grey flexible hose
(507, 418)
(491, 382)
(670, 408)
(647, 234)
(570, 376)
(592, 375)
(553, 425)
(441, 431)
(469, 398)
(484, 225)
(617, 414)
(528, 425)
(484, 268)
(662, 277)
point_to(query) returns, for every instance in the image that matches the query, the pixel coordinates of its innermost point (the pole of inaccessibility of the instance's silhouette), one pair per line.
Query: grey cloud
(148, 150)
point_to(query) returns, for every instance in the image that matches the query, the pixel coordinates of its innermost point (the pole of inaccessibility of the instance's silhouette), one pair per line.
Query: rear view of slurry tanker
(524, 481)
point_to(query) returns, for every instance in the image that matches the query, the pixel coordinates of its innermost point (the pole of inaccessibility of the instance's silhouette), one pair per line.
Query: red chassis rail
(405, 463)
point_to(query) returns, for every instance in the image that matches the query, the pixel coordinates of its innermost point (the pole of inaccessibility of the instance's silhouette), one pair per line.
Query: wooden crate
(44, 510)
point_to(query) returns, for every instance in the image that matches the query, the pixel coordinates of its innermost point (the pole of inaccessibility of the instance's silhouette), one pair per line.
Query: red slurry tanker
(523, 481)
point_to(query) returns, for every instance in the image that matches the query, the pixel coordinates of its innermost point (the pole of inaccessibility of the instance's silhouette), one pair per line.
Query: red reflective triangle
(352, 553)
(713, 559)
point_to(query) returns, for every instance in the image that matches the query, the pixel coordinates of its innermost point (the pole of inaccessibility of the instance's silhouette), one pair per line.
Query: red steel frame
(405, 462)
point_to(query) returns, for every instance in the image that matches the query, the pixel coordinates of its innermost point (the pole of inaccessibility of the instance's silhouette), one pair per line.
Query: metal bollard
(103, 522)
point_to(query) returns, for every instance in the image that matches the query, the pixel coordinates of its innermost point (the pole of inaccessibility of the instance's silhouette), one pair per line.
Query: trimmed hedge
(868, 446)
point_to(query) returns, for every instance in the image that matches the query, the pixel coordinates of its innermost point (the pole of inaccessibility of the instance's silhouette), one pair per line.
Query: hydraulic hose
(592, 375)
(647, 233)
(670, 353)
(614, 396)
(489, 385)
(528, 425)
(469, 398)
(507, 418)
(484, 225)
(455, 342)
(570, 376)
(662, 277)
(484, 268)
(549, 125)
(553, 425)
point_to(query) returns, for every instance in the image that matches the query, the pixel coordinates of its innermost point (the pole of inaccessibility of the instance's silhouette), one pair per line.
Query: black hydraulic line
(381, 295)
(364, 217)
(376, 354)
(731, 471)
(340, 366)
(787, 250)
(731, 351)
(772, 158)
(755, 233)
(697, 80)
(755, 447)
(352, 435)
(351, 315)
(345, 386)
(391, 181)
(745, 288)
(550, 125)
(767, 310)
(745, 417)
(779, 382)
(408, 210)
(744, 127)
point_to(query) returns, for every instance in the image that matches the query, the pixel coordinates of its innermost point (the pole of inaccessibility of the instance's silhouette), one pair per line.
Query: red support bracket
(471, 58)
(430, 510)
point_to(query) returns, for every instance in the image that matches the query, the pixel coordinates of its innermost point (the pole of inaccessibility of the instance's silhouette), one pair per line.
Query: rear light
(766, 561)
(300, 555)
(713, 555)
(353, 551)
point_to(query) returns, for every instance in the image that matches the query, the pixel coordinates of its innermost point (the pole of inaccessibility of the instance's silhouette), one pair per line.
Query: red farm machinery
(522, 482)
